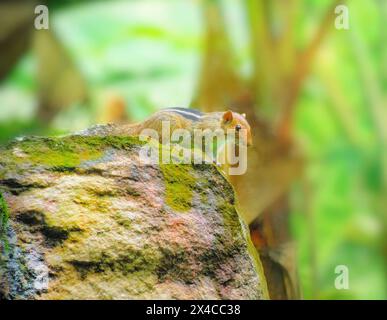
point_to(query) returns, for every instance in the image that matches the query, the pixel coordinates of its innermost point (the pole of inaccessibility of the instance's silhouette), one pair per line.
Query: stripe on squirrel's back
(191, 114)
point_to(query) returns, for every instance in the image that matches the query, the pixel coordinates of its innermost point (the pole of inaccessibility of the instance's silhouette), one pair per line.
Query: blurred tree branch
(15, 33)
(372, 82)
(60, 82)
(218, 82)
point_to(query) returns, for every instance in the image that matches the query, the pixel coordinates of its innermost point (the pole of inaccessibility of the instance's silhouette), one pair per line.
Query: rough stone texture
(81, 217)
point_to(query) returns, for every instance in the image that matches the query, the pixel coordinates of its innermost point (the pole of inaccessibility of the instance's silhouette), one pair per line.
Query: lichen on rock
(179, 183)
(4, 216)
(85, 218)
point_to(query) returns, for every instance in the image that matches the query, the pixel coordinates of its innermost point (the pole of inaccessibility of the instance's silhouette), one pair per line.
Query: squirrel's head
(236, 121)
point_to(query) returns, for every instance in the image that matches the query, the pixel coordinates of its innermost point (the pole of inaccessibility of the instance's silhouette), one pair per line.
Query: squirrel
(188, 119)
(182, 118)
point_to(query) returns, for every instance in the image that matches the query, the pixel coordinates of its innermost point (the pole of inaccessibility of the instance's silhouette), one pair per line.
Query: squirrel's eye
(238, 127)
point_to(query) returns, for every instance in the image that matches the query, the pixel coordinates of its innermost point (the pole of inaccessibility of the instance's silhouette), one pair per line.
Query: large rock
(81, 217)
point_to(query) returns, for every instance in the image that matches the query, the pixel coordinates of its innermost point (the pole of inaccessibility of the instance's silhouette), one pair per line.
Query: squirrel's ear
(244, 115)
(227, 116)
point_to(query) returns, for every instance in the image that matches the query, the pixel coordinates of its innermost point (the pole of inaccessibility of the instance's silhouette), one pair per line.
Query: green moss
(59, 154)
(63, 152)
(117, 142)
(230, 216)
(4, 217)
(179, 185)
(133, 261)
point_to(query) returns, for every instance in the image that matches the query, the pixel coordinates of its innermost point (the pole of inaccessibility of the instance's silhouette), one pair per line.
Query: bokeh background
(315, 194)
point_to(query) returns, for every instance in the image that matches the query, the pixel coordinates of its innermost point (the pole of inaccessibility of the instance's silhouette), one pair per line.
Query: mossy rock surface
(81, 217)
